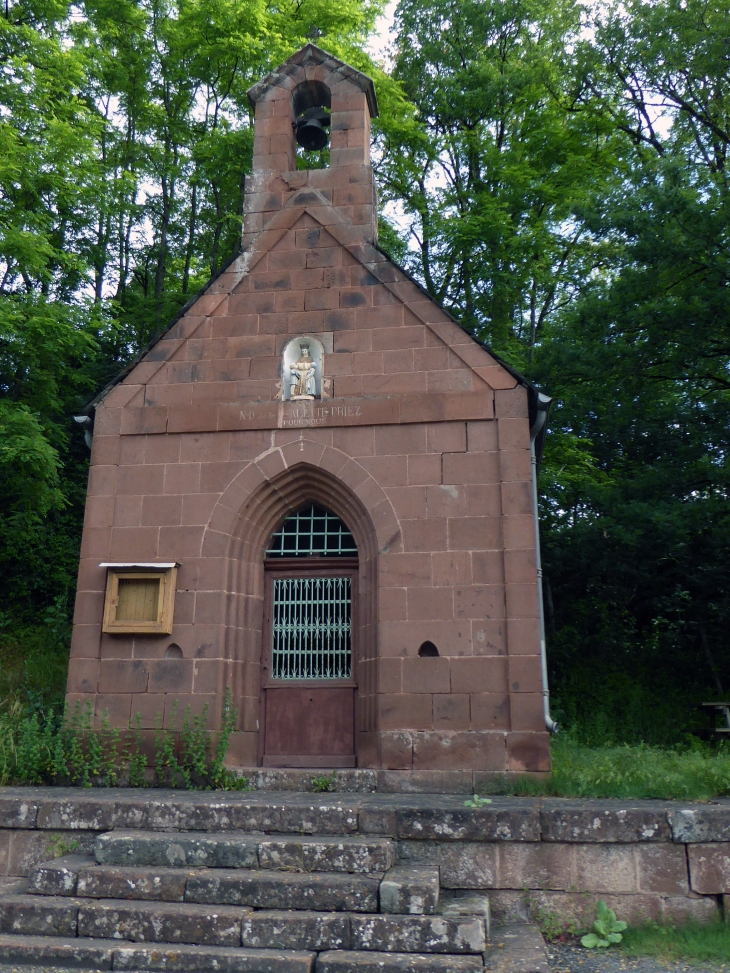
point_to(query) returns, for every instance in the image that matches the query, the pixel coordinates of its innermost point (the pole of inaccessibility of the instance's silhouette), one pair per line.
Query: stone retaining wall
(548, 858)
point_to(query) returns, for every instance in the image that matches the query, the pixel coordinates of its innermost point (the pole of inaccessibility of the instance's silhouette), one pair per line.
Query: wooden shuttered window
(139, 602)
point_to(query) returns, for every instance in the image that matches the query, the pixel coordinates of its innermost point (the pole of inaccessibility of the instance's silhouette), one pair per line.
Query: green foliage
(125, 134)
(133, 760)
(477, 801)
(194, 766)
(564, 182)
(324, 784)
(492, 173)
(554, 925)
(42, 749)
(689, 771)
(692, 941)
(607, 928)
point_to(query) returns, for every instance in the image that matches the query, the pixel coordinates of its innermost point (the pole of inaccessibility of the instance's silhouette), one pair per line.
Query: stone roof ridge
(311, 54)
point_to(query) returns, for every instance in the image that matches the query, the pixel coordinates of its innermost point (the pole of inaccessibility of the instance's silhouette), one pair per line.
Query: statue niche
(302, 370)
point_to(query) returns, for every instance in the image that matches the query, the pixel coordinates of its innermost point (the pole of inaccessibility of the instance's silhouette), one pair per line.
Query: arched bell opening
(311, 103)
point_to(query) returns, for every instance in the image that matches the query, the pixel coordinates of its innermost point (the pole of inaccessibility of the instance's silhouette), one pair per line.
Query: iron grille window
(311, 628)
(311, 532)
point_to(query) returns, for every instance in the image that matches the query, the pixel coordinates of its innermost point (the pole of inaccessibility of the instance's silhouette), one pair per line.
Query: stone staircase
(231, 901)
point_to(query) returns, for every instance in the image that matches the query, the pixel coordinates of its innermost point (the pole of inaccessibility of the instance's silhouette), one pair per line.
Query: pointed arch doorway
(310, 625)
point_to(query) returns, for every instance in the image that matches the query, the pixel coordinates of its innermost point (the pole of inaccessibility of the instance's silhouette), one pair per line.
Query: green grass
(697, 943)
(691, 771)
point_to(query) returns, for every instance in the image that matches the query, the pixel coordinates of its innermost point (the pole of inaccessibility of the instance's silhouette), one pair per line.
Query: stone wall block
(17, 813)
(699, 824)
(662, 868)
(605, 868)
(505, 821)
(535, 866)
(472, 749)
(603, 821)
(468, 865)
(709, 868)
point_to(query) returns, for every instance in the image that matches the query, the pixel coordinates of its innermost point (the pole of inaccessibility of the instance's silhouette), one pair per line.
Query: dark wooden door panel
(310, 727)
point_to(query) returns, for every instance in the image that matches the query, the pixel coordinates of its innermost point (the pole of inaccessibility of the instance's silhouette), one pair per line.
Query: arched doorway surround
(267, 501)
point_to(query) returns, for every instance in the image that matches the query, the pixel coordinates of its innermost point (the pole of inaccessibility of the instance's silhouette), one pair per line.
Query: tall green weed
(692, 770)
(42, 748)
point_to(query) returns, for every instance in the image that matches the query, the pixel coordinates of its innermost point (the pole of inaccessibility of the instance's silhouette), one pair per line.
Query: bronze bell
(310, 129)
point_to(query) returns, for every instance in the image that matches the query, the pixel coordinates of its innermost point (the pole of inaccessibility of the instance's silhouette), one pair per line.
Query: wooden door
(308, 684)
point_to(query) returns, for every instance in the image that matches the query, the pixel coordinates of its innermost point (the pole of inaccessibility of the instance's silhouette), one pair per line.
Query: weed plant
(46, 749)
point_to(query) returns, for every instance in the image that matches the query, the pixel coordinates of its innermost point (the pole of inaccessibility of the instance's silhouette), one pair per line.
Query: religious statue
(302, 380)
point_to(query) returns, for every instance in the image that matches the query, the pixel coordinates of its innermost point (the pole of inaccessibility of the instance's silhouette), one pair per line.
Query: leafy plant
(325, 783)
(555, 926)
(607, 928)
(219, 776)
(134, 761)
(477, 801)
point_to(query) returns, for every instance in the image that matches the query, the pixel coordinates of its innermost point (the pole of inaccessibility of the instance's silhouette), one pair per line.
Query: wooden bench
(715, 732)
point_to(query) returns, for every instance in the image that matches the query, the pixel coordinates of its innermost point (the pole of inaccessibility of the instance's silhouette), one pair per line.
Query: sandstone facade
(419, 441)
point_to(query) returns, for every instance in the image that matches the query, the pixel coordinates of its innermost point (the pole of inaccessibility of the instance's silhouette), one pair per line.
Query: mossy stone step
(354, 961)
(325, 931)
(357, 855)
(91, 954)
(311, 891)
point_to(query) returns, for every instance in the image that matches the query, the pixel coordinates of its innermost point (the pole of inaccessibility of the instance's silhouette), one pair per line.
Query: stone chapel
(315, 491)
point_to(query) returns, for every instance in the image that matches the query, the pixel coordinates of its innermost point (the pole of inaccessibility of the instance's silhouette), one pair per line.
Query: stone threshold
(366, 781)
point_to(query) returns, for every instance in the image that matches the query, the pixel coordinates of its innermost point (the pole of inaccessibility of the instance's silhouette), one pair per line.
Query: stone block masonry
(648, 860)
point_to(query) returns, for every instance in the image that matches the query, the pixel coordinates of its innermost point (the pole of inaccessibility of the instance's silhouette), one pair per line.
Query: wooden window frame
(165, 574)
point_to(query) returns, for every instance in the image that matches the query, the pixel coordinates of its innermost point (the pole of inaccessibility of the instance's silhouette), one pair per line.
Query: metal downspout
(540, 420)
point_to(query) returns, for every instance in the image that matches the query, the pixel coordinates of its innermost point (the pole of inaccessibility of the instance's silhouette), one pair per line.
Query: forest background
(555, 174)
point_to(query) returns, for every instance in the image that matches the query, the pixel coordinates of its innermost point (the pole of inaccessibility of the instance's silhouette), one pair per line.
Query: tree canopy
(556, 176)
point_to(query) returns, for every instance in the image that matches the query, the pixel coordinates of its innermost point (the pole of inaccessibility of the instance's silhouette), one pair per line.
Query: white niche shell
(301, 370)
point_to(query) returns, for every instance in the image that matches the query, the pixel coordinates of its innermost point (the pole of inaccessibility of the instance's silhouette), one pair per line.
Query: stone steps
(98, 954)
(400, 934)
(259, 888)
(88, 954)
(188, 923)
(231, 885)
(342, 961)
(351, 854)
(317, 891)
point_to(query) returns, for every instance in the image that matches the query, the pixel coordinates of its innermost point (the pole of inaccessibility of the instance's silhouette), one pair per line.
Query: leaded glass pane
(311, 637)
(310, 532)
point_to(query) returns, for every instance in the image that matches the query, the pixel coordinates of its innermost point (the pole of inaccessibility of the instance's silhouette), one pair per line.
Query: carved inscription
(364, 411)
(321, 415)
(305, 414)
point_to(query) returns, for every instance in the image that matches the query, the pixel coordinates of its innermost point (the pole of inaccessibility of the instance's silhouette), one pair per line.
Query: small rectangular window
(139, 599)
